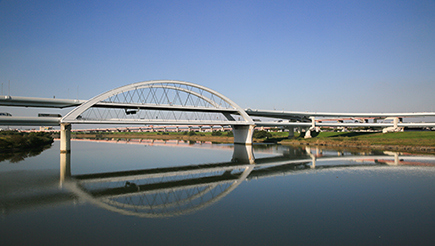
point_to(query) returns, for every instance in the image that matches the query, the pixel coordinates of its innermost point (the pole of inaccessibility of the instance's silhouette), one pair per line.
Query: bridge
(168, 102)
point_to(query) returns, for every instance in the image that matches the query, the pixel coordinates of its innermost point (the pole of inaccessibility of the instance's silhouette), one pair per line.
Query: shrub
(262, 134)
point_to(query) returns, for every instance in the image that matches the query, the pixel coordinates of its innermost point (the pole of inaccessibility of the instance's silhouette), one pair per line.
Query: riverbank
(423, 141)
(419, 141)
(218, 137)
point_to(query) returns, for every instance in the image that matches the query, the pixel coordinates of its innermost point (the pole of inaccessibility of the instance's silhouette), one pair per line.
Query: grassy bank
(217, 136)
(411, 141)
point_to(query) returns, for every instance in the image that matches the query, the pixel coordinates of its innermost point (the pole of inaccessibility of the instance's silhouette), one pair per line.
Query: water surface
(178, 193)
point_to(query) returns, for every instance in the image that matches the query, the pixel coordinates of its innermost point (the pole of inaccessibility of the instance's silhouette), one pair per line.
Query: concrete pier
(243, 134)
(291, 132)
(65, 138)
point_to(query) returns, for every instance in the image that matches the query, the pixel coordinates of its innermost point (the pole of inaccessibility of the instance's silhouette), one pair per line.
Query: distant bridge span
(162, 102)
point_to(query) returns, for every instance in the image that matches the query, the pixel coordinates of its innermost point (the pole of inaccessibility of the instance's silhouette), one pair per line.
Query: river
(147, 192)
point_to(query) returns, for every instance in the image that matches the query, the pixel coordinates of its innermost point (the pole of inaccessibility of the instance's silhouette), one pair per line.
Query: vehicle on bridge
(5, 114)
(49, 115)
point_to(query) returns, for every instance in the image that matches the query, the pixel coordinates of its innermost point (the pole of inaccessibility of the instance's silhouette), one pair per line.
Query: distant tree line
(257, 134)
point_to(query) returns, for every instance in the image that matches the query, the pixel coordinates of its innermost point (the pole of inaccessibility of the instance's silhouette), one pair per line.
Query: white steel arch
(159, 102)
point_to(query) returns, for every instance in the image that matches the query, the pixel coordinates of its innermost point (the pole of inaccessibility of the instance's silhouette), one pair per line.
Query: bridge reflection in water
(173, 191)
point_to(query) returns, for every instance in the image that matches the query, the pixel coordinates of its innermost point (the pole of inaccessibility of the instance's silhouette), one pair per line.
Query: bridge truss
(160, 103)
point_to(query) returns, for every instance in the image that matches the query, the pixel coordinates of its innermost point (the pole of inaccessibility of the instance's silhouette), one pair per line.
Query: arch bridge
(163, 102)
(169, 102)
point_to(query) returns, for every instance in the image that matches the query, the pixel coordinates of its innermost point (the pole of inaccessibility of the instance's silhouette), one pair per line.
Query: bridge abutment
(243, 134)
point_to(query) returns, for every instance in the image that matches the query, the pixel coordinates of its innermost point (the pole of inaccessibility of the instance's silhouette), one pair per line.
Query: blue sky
(335, 56)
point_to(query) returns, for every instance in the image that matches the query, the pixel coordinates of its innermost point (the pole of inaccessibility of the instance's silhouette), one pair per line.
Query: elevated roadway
(29, 121)
(293, 114)
(290, 115)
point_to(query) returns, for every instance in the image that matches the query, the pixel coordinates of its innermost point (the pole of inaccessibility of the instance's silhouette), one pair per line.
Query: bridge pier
(395, 127)
(243, 134)
(307, 133)
(291, 132)
(65, 138)
(313, 126)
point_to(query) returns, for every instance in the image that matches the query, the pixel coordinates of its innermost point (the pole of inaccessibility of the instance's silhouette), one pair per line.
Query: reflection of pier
(173, 191)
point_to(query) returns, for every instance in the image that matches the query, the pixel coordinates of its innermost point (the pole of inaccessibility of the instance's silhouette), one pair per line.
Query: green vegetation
(13, 140)
(417, 138)
(345, 139)
(269, 137)
(262, 134)
(259, 136)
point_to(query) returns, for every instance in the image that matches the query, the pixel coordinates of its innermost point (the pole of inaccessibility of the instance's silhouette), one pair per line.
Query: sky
(322, 56)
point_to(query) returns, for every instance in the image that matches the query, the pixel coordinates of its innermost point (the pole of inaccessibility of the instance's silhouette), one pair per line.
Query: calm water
(114, 193)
